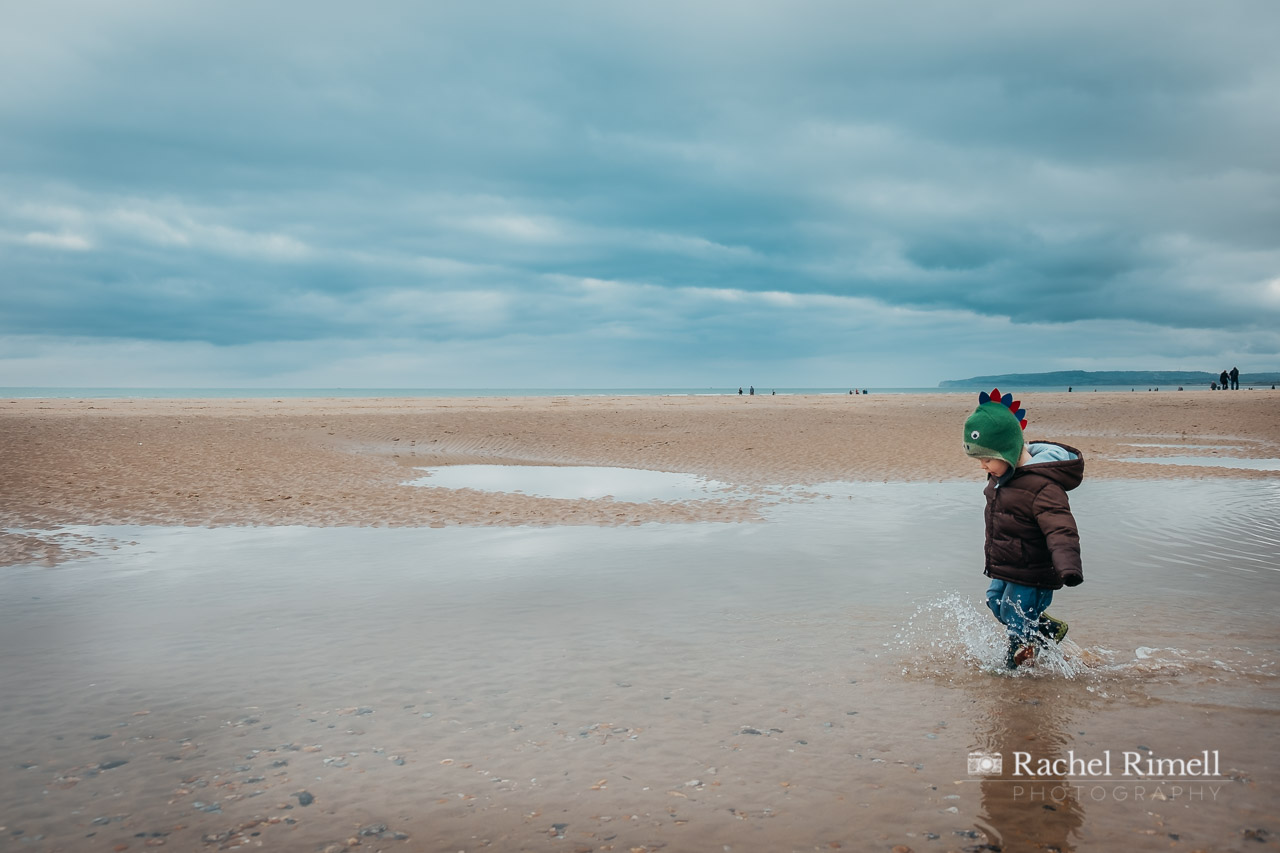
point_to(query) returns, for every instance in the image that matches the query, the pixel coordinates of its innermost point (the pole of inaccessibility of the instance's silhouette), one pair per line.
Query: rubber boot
(1050, 628)
(1019, 653)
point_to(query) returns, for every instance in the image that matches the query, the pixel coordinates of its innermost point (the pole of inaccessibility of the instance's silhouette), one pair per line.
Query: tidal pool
(632, 485)
(1183, 446)
(1211, 462)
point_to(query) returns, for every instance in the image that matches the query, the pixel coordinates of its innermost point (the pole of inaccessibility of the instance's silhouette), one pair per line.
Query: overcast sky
(609, 194)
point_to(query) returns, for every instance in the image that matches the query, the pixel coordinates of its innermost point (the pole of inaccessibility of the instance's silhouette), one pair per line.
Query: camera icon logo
(985, 763)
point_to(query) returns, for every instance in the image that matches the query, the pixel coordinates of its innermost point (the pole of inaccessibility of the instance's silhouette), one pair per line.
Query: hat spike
(1006, 400)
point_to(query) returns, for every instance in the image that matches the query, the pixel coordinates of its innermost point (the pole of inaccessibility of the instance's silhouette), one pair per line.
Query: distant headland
(1107, 378)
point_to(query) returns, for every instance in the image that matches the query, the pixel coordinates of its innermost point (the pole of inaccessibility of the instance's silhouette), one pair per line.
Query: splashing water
(954, 639)
(951, 635)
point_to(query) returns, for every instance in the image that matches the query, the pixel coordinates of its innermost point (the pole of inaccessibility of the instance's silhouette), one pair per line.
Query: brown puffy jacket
(1032, 537)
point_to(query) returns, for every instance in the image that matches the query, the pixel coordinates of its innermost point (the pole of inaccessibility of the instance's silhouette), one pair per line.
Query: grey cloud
(239, 174)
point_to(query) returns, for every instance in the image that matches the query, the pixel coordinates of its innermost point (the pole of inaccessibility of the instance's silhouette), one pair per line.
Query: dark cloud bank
(595, 194)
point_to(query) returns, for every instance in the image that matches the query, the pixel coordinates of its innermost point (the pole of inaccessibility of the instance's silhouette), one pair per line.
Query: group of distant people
(1228, 379)
(774, 393)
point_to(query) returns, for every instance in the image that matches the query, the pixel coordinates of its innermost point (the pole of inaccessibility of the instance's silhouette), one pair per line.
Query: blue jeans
(1018, 607)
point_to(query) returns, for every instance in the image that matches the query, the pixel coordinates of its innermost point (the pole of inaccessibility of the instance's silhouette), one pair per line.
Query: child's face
(994, 467)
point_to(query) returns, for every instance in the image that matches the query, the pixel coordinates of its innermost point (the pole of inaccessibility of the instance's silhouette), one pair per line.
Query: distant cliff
(1106, 378)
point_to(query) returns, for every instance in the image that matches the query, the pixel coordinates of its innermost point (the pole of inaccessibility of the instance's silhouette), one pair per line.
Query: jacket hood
(1067, 473)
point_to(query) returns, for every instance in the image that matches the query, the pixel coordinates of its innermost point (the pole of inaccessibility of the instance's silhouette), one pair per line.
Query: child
(1033, 545)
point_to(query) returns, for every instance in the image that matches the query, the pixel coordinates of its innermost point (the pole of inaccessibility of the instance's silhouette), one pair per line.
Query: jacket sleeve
(1053, 514)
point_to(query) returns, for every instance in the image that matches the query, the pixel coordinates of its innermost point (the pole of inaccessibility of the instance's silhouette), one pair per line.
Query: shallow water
(1211, 462)
(575, 482)
(818, 679)
(1182, 446)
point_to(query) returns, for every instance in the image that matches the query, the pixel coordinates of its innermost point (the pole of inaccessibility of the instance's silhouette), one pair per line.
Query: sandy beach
(241, 624)
(327, 462)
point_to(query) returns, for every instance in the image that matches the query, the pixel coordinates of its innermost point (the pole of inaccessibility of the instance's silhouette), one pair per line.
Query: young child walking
(1033, 544)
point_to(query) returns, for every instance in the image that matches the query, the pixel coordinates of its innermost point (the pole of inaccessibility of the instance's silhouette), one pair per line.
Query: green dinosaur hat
(994, 430)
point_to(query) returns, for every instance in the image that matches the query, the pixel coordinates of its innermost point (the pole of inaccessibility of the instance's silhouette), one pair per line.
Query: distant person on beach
(1235, 379)
(1033, 544)
(1224, 380)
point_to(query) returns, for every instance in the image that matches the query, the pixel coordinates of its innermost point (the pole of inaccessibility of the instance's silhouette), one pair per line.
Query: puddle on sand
(1210, 462)
(1184, 446)
(632, 485)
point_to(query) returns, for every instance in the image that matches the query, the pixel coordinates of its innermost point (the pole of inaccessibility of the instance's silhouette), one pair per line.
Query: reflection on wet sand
(1042, 813)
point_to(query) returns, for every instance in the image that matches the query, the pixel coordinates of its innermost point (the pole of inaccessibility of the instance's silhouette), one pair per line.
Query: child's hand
(1072, 577)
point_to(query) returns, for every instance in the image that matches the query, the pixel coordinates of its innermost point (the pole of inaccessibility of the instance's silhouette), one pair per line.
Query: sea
(77, 393)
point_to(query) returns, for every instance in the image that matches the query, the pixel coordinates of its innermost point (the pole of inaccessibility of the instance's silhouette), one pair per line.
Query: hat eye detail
(974, 435)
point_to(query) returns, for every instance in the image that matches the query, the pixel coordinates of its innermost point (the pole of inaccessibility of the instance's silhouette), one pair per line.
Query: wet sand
(330, 462)
(811, 671)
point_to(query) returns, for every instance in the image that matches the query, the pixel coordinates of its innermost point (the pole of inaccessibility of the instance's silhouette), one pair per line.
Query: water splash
(954, 639)
(950, 636)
